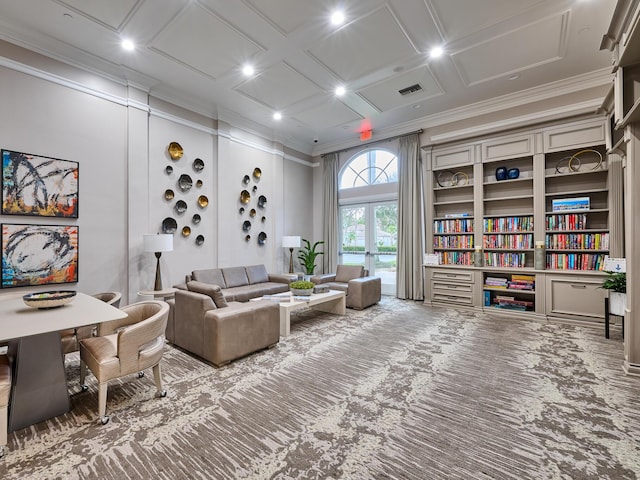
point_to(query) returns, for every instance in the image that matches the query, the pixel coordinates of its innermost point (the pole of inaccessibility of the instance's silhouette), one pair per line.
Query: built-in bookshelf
(453, 225)
(576, 209)
(509, 291)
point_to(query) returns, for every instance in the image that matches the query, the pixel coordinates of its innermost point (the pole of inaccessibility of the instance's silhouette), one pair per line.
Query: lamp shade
(291, 242)
(157, 242)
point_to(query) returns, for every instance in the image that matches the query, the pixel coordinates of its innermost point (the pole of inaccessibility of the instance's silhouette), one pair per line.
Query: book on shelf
(567, 204)
(456, 215)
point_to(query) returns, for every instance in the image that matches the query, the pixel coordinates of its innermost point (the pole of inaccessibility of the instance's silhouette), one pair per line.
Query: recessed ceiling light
(337, 17)
(128, 45)
(277, 116)
(515, 76)
(436, 52)
(340, 91)
(417, 105)
(248, 70)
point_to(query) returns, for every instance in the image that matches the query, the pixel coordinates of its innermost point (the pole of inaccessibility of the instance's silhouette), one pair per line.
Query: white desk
(39, 389)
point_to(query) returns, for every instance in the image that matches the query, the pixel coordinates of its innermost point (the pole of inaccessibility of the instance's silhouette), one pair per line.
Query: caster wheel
(84, 387)
(162, 393)
(104, 420)
(140, 374)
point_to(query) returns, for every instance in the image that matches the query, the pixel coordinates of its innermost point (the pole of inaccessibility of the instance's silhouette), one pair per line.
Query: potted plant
(308, 254)
(301, 287)
(616, 283)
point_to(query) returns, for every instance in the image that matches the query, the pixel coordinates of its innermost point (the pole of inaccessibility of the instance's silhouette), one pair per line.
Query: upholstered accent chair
(126, 346)
(71, 337)
(362, 291)
(5, 390)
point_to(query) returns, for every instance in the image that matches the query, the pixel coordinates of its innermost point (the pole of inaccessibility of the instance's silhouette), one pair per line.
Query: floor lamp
(291, 243)
(158, 243)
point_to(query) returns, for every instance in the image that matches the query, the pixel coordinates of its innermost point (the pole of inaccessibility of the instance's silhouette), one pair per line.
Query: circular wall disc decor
(186, 231)
(241, 211)
(168, 194)
(255, 188)
(198, 183)
(169, 225)
(246, 226)
(247, 238)
(246, 179)
(185, 182)
(262, 238)
(262, 201)
(168, 170)
(257, 173)
(198, 164)
(252, 213)
(199, 239)
(264, 219)
(245, 196)
(181, 206)
(175, 150)
(203, 201)
(196, 218)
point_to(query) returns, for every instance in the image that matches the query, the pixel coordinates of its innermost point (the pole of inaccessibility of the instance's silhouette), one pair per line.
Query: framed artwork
(39, 254)
(40, 186)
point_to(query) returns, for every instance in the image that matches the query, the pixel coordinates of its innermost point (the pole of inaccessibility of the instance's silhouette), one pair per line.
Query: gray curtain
(330, 208)
(410, 215)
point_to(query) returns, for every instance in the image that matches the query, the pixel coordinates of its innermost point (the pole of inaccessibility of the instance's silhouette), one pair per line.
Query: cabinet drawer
(453, 298)
(575, 296)
(446, 286)
(453, 276)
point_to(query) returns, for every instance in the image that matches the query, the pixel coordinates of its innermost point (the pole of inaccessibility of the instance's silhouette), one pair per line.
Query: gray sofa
(362, 291)
(205, 324)
(240, 284)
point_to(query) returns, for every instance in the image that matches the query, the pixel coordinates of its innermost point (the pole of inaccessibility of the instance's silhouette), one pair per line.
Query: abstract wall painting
(41, 186)
(39, 254)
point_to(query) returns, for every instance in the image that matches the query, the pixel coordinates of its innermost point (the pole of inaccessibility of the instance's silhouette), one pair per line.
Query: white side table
(159, 294)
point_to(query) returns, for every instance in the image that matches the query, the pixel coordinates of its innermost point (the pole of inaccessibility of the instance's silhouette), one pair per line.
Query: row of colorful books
(568, 221)
(453, 241)
(511, 259)
(578, 241)
(520, 240)
(455, 258)
(576, 261)
(453, 226)
(508, 224)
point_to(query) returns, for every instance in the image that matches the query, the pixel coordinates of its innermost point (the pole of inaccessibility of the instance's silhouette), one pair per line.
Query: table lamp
(291, 242)
(158, 243)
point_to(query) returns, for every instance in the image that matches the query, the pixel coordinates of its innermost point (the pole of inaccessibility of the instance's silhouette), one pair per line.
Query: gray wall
(119, 136)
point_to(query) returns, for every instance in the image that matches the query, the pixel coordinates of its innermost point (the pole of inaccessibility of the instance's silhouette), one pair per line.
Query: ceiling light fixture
(340, 91)
(436, 52)
(128, 45)
(337, 17)
(277, 116)
(515, 76)
(248, 70)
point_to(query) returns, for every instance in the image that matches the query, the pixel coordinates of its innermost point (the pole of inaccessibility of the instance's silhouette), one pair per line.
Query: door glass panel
(353, 235)
(385, 244)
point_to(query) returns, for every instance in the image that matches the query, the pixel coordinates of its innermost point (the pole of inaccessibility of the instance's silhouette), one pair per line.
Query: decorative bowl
(199, 239)
(302, 292)
(49, 299)
(245, 196)
(175, 150)
(198, 164)
(169, 225)
(501, 173)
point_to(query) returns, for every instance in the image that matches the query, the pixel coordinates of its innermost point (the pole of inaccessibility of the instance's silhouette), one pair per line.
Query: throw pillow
(213, 291)
(257, 274)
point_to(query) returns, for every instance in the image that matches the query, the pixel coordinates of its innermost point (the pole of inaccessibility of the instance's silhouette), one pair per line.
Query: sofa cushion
(235, 276)
(344, 273)
(210, 275)
(257, 274)
(213, 291)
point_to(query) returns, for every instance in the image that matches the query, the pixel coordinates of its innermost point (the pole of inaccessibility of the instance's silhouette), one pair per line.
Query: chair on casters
(71, 337)
(126, 346)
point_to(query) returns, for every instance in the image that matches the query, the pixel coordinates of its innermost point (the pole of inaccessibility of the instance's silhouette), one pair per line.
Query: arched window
(373, 167)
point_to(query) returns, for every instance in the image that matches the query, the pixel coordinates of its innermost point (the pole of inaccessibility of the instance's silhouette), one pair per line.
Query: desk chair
(126, 346)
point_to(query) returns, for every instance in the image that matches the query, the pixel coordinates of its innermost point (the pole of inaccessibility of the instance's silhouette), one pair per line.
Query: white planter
(617, 303)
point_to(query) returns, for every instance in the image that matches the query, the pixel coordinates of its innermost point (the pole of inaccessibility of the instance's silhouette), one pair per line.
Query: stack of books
(522, 282)
(496, 282)
(508, 302)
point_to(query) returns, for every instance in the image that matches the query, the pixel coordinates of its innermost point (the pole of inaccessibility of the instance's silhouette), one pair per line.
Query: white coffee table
(333, 301)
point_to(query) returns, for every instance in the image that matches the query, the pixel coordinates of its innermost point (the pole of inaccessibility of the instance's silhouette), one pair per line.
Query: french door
(369, 237)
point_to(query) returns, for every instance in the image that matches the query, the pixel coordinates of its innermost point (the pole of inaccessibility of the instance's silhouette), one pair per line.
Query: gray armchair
(362, 291)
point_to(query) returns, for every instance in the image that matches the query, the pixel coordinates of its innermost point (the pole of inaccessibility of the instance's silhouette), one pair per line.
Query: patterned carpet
(398, 391)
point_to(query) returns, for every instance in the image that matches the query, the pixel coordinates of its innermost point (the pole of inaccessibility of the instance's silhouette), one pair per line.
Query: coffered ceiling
(191, 52)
